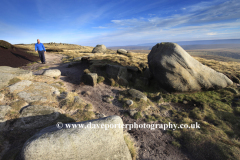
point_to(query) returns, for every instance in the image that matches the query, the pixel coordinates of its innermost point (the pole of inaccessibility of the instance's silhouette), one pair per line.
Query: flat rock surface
(3, 111)
(20, 85)
(8, 73)
(38, 91)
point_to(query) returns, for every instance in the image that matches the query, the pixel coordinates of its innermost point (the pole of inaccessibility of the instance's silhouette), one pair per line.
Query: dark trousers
(41, 56)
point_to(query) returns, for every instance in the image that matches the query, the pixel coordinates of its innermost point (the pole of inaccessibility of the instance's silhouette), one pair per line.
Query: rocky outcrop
(79, 143)
(99, 49)
(52, 73)
(119, 73)
(176, 70)
(116, 71)
(8, 73)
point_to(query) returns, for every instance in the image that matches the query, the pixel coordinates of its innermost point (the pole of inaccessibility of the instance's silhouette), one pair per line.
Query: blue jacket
(39, 47)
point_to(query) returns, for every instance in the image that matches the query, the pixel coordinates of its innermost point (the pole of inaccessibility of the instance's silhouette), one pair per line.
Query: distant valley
(221, 50)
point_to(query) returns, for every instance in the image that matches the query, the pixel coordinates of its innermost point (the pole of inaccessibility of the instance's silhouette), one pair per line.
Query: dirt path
(152, 144)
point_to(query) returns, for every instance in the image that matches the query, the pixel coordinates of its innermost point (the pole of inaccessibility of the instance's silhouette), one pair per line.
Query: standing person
(39, 47)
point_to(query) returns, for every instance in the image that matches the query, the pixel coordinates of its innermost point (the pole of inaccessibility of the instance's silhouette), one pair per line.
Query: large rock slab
(99, 49)
(38, 91)
(8, 73)
(36, 116)
(176, 70)
(20, 85)
(79, 143)
(52, 73)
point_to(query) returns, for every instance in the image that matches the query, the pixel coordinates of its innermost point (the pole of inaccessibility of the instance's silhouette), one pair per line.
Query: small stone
(77, 99)
(122, 51)
(185, 102)
(129, 102)
(56, 93)
(100, 115)
(107, 99)
(132, 112)
(63, 95)
(52, 73)
(137, 94)
(86, 93)
(160, 99)
(1, 97)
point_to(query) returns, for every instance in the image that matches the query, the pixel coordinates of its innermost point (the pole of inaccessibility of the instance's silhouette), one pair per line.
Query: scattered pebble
(129, 102)
(185, 102)
(107, 99)
(1, 97)
(132, 112)
(86, 93)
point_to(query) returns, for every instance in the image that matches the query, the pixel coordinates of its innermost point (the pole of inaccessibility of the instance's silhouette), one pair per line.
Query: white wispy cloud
(212, 33)
(109, 23)
(204, 18)
(100, 27)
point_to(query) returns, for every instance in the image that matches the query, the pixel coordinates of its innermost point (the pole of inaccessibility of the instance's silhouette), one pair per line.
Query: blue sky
(116, 23)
